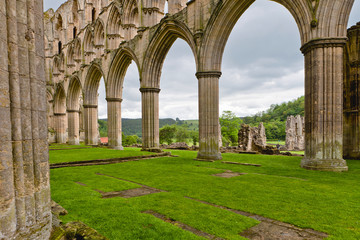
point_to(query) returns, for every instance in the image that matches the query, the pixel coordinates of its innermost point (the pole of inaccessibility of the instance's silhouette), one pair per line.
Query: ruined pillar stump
(91, 125)
(209, 115)
(73, 127)
(351, 94)
(114, 123)
(323, 105)
(150, 119)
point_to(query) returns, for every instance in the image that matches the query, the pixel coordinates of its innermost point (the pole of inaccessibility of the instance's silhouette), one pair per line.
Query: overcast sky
(262, 65)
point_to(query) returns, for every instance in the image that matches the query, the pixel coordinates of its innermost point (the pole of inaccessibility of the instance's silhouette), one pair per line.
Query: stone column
(24, 167)
(60, 127)
(73, 127)
(352, 95)
(323, 105)
(114, 123)
(150, 119)
(91, 124)
(209, 115)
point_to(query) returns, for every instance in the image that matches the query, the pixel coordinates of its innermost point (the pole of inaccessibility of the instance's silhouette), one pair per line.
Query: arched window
(59, 47)
(74, 32)
(93, 14)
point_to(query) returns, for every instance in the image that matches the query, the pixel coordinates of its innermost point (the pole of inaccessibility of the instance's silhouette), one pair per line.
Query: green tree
(194, 137)
(167, 134)
(230, 125)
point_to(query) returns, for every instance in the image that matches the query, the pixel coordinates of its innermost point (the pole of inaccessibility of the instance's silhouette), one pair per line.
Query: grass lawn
(275, 142)
(67, 146)
(74, 155)
(279, 189)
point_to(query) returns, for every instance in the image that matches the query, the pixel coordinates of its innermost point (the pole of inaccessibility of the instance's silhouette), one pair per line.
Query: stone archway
(322, 41)
(165, 36)
(114, 89)
(73, 110)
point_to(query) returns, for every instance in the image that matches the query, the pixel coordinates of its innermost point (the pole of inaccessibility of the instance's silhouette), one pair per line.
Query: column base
(116, 147)
(329, 165)
(208, 156)
(74, 142)
(156, 150)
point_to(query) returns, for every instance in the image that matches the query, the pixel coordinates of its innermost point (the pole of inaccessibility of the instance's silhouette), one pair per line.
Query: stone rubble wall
(295, 133)
(252, 138)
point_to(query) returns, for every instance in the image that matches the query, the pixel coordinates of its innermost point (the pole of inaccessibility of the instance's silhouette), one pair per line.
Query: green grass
(74, 155)
(275, 142)
(280, 189)
(67, 146)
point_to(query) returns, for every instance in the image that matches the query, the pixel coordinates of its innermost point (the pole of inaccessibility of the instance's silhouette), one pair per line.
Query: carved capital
(156, 90)
(323, 43)
(211, 74)
(72, 111)
(90, 106)
(114, 99)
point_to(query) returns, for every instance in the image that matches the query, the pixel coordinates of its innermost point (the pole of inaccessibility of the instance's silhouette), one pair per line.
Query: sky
(262, 65)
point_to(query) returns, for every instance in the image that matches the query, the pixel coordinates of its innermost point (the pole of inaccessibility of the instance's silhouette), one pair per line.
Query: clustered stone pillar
(323, 105)
(91, 124)
(60, 127)
(150, 118)
(73, 127)
(352, 94)
(209, 115)
(24, 168)
(114, 123)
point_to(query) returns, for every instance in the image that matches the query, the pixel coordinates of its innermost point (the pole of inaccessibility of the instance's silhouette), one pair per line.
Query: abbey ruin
(86, 40)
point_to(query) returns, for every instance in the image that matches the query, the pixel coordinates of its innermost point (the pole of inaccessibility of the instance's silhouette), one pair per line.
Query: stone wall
(295, 133)
(24, 167)
(252, 138)
(351, 94)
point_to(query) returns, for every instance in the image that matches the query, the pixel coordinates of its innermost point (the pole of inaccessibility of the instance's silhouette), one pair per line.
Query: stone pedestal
(91, 125)
(150, 119)
(114, 123)
(73, 127)
(60, 128)
(209, 115)
(323, 105)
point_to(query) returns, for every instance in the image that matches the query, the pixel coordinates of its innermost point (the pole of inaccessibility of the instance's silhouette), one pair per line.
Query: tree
(182, 133)
(230, 125)
(167, 134)
(194, 137)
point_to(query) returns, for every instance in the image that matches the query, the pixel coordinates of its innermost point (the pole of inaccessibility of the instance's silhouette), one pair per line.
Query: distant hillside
(133, 126)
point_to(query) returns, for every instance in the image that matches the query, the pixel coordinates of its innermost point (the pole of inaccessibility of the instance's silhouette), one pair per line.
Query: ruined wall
(252, 138)
(295, 133)
(24, 168)
(351, 94)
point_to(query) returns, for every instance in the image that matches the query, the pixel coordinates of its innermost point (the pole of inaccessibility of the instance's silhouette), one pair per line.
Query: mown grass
(67, 146)
(279, 189)
(275, 142)
(73, 155)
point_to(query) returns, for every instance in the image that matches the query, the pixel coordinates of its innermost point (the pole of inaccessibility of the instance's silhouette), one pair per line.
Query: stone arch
(88, 45)
(60, 114)
(114, 30)
(99, 37)
(62, 62)
(74, 11)
(73, 110)
(70, 57)
(322, 28)
(165, 36)
(91, 86)
(114, 87)
(77, 50)
(59, 24)
(56, 66)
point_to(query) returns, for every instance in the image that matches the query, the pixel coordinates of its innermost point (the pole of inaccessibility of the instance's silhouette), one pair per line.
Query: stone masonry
(252, 138)
(295, 133)
(351, 94)
(89, 40)
(24, 167)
